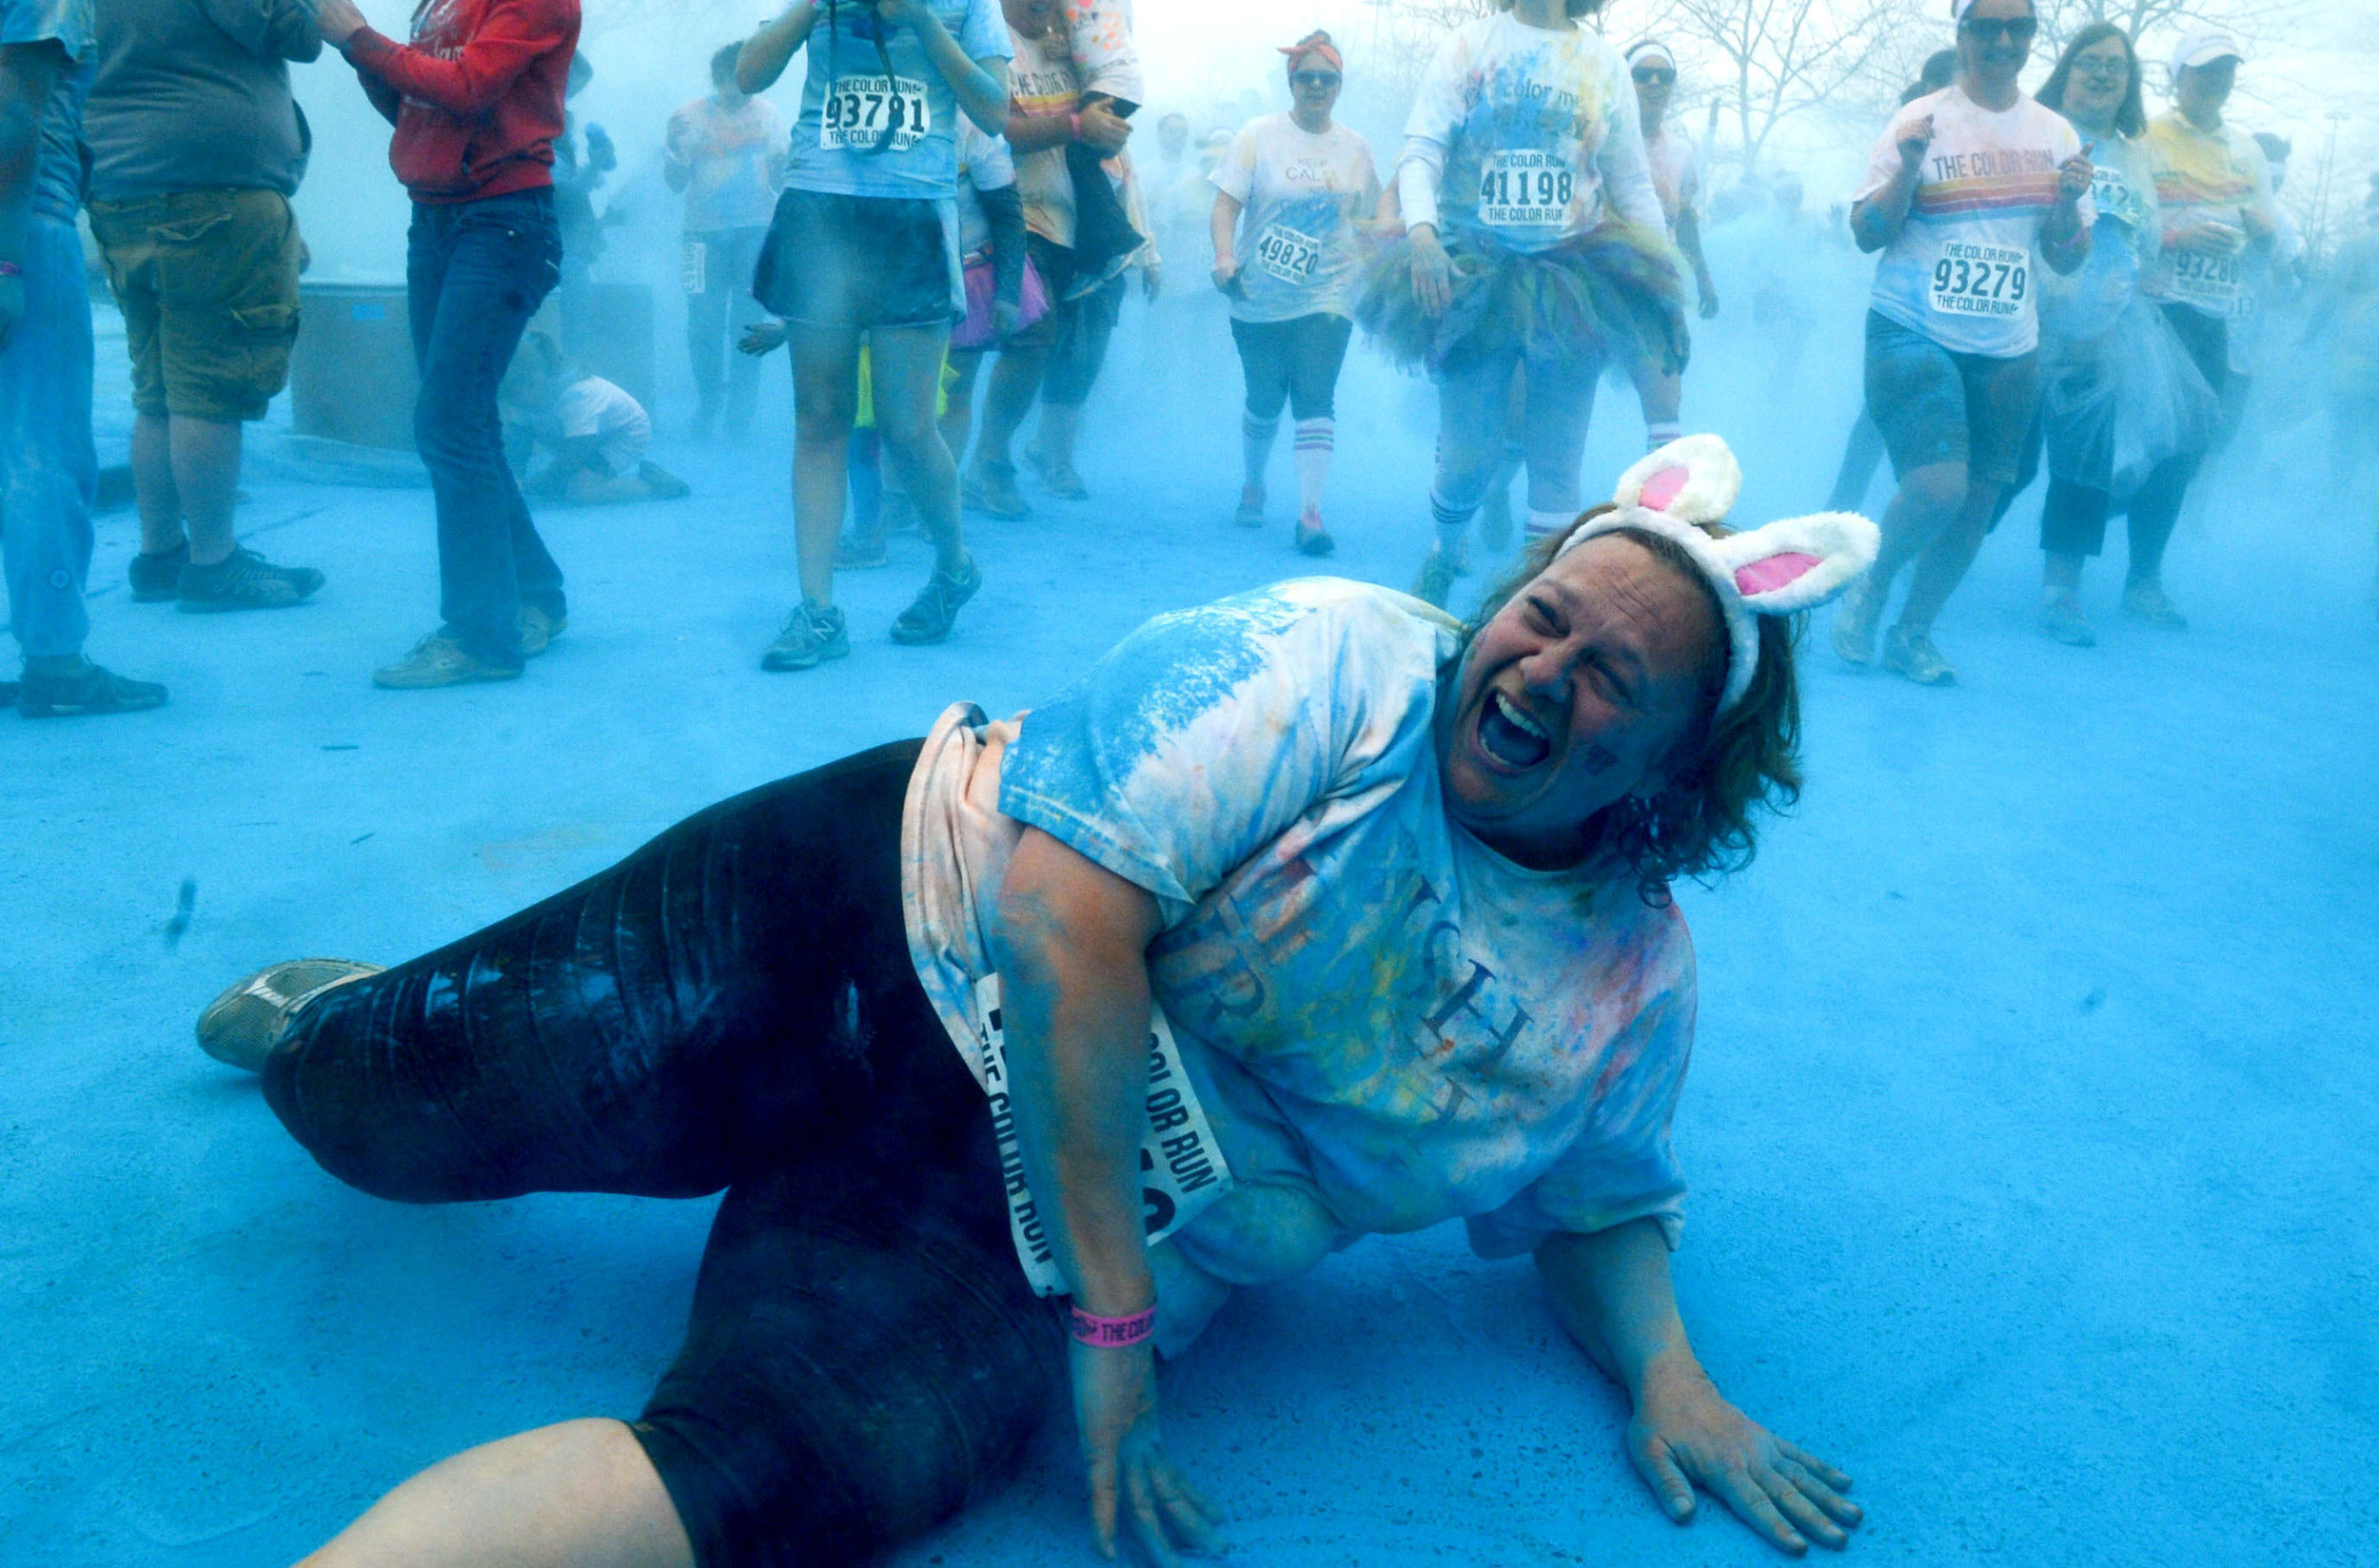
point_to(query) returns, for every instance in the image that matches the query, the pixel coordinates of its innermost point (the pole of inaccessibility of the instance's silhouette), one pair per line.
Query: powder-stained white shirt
(1388, 1024)
(1300, 193)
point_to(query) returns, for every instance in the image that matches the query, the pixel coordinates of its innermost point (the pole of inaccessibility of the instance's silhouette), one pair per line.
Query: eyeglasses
(2103, 70)
(1315, 81)
(1654, 76)
(2015, 30)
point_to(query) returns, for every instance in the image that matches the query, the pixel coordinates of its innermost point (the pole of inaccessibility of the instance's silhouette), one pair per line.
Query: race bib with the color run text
(1181, 1169)
(1980, 280)
(1525, 189)
(865, 112)
(2216, 285)
(1286, 254)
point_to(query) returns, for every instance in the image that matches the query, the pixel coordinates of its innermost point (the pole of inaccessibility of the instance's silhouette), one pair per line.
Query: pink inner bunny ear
(1766, 576)
(1664, 487)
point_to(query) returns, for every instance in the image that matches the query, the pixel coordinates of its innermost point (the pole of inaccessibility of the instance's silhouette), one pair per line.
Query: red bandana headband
(1315, 43)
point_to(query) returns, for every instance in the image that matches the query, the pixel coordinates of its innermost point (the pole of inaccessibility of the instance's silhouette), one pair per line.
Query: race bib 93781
(865, 112)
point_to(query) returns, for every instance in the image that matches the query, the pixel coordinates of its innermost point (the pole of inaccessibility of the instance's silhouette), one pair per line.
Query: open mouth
(1509, 736)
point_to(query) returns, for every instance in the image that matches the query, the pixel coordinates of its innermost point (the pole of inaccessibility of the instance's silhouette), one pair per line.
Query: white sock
(1453, 525)
(1543, 524)
(1657, 436)
(1257, 436)
(1316, 439)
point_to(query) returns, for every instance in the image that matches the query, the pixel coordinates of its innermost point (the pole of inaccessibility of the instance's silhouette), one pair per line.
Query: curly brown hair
(1701, 824)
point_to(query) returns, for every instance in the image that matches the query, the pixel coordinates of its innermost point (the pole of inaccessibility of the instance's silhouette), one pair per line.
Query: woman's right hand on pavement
(1432, 271)
(1114, 1399)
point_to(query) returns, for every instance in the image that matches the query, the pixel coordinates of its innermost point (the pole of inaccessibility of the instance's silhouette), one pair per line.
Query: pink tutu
(975, 331)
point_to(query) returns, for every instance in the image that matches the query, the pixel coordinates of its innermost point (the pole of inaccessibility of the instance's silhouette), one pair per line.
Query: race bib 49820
(1980, 280)
(865, 112)
(1525, 189)
(1286, 254)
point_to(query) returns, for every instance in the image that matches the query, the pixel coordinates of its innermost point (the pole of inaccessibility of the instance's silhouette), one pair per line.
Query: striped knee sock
(1316, 440)
(1453, 523)
(1657, 436)
(1543, 523)
(1257, 435)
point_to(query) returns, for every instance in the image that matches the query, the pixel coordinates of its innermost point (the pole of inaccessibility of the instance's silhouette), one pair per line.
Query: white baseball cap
(2203, 47)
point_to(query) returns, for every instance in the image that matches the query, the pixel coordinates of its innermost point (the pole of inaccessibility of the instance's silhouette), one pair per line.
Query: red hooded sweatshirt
(477, 99)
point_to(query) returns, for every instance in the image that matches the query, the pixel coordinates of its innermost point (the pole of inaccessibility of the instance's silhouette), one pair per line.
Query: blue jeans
(48, 472)
(476, 272)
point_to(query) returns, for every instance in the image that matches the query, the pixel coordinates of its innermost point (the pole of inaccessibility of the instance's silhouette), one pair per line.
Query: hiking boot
(813, 633)
(1313, 537)
(157, 577)
(991, 486)
(2061, 618)
(1854, 622)
(930, 616)
(860, 552)
(2146, 601)
(89, 689)
(1251, 513)
(440, 659)
(240, 1028)
(1912, 653)
(539, 627)
(1436, 582)
(246, 580)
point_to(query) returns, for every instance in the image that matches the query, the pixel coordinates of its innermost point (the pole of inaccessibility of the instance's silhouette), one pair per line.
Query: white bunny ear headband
(1790, 565)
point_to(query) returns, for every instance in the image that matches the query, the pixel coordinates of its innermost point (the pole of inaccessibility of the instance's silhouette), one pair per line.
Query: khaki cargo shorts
(207, 280)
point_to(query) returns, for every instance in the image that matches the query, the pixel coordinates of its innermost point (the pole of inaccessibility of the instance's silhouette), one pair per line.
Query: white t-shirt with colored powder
(1965, 268)
(1388, 1024)
(593, 406)
(1042, 80)
(1531, 133)
(1296, 244)
(984, 164)
(1676, 174)
(2219, 177)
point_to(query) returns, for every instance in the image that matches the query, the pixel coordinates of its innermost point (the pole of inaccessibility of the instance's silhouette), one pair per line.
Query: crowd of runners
(945, 238)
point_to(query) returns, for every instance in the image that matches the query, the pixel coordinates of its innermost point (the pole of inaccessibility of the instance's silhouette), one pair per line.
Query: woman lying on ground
(1305, 914)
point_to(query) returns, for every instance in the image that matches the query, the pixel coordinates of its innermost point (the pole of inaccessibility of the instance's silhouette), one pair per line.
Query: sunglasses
(1315, 80)
(1654, 75)
(2104, 70)
(2016, 29)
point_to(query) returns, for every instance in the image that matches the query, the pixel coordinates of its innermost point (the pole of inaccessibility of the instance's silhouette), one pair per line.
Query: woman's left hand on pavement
(1685, 1434)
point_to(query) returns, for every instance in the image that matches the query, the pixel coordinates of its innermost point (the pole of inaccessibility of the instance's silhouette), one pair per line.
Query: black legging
(731, 1005)
(1294, 361)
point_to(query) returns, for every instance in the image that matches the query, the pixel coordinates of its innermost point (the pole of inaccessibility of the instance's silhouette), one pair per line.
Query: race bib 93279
(1980, 280)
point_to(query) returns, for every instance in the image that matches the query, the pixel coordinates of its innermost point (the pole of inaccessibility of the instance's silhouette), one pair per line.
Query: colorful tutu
(977, 331)
(1616, 293)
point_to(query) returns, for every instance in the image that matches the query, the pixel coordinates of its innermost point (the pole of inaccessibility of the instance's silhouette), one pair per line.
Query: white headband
(1959, 9)
(1653, 45)
(1791, 565)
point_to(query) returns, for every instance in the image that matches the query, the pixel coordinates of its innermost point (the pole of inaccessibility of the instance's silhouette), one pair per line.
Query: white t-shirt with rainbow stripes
(1965, 268)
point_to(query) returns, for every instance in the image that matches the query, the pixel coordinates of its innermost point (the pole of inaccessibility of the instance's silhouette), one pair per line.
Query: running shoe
(2146, 601)
(158, 578)
(240, 1028)
(92, 689)
(1313, 537)
(1912, 653)
(813, 633)
(2061, 618)
(934, 611)
(1251, 513)
(1854, 622)
(990, 487)
(539, 627)
(440, 659)
(246, 580)
(1059, 479)
(856, 553)
(1435, 584)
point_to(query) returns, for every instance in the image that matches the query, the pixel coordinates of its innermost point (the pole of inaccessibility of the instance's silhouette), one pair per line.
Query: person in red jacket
(476, 99)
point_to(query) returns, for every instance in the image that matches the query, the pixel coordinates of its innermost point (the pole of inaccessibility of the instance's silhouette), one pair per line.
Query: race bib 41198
(865, 112)
(1980, 280)
(1525, 189)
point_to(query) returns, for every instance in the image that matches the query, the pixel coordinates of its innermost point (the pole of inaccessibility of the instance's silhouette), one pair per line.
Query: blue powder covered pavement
(2032, 1128)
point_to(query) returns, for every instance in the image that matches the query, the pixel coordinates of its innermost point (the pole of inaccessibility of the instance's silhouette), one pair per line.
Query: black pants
(731, 1005)
(1294, 361)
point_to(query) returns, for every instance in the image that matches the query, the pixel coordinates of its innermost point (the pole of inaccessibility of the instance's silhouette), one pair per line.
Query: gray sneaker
(1912, 653)
(813, 633)
(1854, 622)
(934, 611)
(240, 1028)
(2146, 601)
(1436, 582)
(246, 580)
(990, 485)
(2061, 618)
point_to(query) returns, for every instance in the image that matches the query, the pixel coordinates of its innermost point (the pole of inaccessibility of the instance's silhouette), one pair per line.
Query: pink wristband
(1114, 1333)
(1073, 127)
